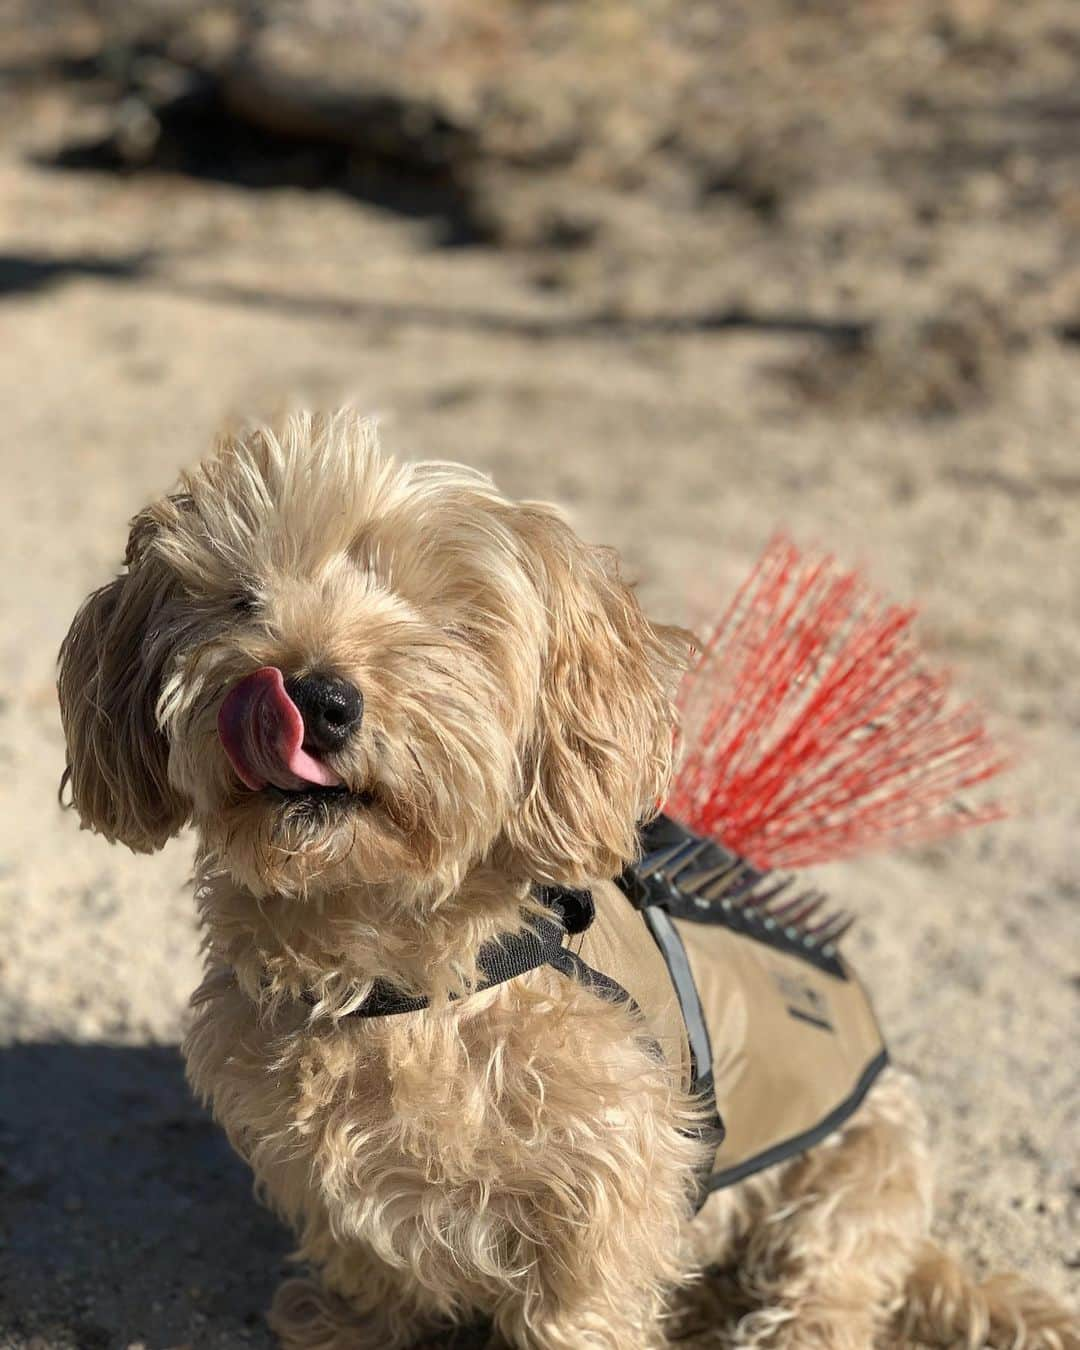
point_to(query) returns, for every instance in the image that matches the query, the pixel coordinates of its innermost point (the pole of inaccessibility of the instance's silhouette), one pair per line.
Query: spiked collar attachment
(700, 881)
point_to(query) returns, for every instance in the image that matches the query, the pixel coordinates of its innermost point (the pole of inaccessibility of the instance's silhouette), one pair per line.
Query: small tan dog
(480, 707)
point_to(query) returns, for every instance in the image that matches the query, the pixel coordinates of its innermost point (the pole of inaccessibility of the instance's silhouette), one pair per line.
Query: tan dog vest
(792, 1041)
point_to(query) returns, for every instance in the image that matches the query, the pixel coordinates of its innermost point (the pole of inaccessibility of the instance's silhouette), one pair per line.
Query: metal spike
(823, 927)
(728, 886)
(816, 930)
(843, 930)
(761, 899)
(831, 932)
(797, 922)
(747, 892)
(654, 862)
(799, 905)
(685, 860)
(697, 881)
(806, 904)
(812, 910)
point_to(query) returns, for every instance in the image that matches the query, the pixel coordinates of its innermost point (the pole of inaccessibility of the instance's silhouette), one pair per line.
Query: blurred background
(694, 268)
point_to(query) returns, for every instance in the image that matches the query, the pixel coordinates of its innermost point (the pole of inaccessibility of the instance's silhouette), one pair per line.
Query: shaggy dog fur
(518, 1154)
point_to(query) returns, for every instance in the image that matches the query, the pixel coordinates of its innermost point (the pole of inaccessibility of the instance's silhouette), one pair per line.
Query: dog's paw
(305, 1316)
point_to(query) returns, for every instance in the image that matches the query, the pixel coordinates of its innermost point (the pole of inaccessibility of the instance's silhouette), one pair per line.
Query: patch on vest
(803, 1001)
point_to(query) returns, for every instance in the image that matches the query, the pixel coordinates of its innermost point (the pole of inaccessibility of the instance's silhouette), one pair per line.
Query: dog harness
(751, 1005)
(753, 1009)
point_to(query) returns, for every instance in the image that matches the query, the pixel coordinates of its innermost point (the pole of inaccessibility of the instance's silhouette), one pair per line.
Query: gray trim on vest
(801, 1142)
(671, 945)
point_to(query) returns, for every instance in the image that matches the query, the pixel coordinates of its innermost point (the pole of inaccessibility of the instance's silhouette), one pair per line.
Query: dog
(396, 706)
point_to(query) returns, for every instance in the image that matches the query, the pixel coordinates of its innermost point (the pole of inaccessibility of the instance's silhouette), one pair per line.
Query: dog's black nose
(332, 709)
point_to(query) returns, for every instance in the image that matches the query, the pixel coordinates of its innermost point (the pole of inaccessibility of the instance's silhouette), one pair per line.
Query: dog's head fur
(516, 701)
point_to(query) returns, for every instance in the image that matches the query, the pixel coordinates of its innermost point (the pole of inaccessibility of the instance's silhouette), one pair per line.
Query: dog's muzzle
(274, 733)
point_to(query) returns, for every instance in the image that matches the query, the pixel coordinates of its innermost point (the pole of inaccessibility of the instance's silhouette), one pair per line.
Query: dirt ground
(694, 271)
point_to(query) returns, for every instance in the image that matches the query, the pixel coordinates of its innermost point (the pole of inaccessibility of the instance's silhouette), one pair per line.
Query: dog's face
(348, 672)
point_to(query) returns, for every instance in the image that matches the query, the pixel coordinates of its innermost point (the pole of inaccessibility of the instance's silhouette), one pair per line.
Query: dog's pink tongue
(262, 732)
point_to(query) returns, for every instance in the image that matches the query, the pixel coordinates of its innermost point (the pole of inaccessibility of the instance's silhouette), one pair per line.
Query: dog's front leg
(596, 1228)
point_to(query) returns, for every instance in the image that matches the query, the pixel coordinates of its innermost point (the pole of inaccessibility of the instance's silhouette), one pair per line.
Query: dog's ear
(110, 674)
(599, 755)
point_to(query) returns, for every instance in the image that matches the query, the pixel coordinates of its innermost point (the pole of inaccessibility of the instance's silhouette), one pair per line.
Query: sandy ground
(137, 313)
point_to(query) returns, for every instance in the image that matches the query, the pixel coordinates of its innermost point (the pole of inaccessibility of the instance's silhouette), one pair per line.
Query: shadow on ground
(261, 130)
(28, 272)
(125, 1217)
(124, 1214)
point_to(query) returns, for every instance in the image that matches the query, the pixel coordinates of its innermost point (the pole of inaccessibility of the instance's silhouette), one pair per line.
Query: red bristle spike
(813, 728)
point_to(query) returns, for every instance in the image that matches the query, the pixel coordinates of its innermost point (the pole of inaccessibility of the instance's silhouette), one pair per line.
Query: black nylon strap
(574, 968)
(508, 956)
